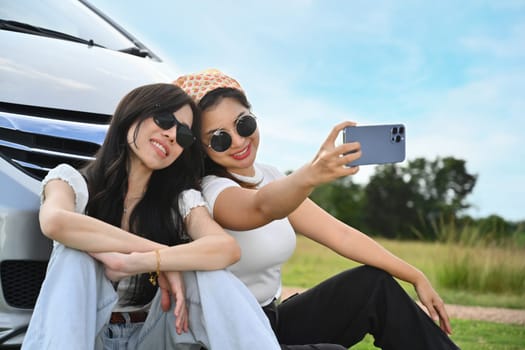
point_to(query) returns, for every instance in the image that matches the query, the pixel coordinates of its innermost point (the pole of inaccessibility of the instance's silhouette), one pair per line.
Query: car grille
(38, 139)
(21, 281)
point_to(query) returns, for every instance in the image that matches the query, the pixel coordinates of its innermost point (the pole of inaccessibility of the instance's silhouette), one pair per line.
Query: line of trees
(407, 201)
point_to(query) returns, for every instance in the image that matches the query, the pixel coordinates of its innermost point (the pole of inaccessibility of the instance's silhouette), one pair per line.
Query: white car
(64, 66)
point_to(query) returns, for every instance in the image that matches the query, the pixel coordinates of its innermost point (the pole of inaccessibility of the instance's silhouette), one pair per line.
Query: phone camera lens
(401, 130)
(398, 138)
(394, 130)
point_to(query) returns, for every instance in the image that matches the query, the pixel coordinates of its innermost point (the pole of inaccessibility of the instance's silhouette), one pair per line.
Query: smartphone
(380, 144)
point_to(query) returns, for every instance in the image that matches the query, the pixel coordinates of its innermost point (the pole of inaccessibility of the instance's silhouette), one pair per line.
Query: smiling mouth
(160, 147)
(242, 154)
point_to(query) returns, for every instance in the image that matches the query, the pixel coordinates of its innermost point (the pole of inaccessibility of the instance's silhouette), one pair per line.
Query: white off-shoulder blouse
(188, 199)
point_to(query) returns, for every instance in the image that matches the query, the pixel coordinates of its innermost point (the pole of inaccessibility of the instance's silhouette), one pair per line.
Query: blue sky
(453, 73)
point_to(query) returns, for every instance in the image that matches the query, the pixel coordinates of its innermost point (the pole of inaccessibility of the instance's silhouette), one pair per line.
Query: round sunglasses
(167, 120)
(221, 140)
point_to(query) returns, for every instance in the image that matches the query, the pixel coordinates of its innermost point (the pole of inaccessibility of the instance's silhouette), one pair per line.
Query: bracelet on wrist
(154, 276)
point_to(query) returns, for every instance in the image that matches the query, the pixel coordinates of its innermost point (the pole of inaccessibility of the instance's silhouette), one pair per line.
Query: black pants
(344, 308)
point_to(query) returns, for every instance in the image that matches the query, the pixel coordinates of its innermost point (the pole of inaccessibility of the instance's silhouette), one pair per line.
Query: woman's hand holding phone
(330, 161)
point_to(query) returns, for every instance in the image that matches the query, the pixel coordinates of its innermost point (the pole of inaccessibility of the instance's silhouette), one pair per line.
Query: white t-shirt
(264, 249)
(188, 200)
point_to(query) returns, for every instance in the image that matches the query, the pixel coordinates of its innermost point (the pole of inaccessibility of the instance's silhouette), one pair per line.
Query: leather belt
(134, 317)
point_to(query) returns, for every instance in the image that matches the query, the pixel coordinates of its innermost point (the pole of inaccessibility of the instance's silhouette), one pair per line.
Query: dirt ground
(491, 314)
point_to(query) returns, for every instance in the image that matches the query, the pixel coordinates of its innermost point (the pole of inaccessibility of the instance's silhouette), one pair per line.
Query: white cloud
(481, 122)
(507, 45)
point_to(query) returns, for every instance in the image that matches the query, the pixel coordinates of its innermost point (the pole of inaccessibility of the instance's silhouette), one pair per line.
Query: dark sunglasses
(167, 120)
(220, 140)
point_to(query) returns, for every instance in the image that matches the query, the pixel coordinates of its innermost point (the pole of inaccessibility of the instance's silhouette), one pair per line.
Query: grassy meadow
(474, 335)
(467, 274)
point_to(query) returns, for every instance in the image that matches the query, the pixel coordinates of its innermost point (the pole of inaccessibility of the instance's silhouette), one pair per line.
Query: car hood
(53, 73)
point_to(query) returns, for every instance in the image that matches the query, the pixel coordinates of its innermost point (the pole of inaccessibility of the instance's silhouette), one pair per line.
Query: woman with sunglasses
(148, 227)
(263, 210)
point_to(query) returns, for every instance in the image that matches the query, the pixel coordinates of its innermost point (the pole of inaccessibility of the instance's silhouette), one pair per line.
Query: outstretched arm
(279, 198)
(316, 224)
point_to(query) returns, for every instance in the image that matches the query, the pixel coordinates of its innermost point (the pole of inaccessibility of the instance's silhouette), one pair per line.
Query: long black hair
(210, 100)
(157, 215)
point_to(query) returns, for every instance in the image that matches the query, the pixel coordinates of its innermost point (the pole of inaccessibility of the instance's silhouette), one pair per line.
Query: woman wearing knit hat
(263, 210)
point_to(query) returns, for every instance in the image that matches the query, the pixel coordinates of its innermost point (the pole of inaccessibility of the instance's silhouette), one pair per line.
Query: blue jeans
(76, 301)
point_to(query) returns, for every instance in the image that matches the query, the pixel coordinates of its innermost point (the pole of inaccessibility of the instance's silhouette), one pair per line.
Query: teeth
(242, 152)
(159, 146)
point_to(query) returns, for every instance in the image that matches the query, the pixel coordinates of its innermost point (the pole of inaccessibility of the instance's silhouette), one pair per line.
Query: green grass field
(313, 263)
(475, 335)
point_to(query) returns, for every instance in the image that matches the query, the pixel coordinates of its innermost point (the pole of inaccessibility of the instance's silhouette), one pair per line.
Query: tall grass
(481, 261)
(313, 263)
(480, 269)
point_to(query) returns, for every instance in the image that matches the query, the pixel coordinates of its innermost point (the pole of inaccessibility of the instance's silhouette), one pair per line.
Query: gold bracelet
(153, 276)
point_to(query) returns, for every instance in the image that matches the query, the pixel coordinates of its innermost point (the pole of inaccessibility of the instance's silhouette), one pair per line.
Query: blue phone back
(380, 144)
